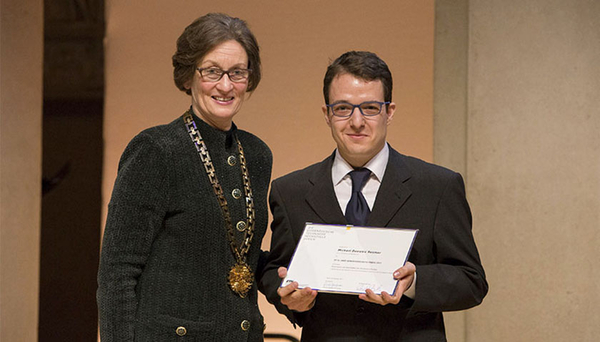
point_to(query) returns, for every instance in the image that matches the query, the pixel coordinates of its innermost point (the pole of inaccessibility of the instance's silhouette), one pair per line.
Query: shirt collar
(377, 165)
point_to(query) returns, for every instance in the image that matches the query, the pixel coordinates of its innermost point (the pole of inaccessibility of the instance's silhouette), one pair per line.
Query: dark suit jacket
(413, 194)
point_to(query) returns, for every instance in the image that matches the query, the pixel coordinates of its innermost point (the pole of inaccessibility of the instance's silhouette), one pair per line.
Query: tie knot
(359, 178)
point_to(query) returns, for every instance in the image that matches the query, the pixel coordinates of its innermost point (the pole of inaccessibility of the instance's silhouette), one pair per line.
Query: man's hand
(405, 276)
(294, 299)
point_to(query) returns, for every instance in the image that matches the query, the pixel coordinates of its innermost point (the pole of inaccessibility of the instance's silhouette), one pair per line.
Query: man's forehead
(349, 84)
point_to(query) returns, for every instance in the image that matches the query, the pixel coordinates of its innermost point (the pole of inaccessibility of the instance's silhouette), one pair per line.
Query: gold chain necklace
(240, 276)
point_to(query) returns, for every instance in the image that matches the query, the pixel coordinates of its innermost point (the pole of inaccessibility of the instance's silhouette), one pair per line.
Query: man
(444, 272)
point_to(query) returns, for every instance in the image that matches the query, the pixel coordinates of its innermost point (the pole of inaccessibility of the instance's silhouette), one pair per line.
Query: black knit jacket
(165, 255)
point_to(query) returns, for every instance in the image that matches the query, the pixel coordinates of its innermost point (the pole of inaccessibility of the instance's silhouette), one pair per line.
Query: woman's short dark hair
(361, 64)
(203, 35)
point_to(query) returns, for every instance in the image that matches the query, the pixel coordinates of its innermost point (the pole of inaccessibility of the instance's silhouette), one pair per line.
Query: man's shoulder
(420, 168)
(302, 175)
(297, 175)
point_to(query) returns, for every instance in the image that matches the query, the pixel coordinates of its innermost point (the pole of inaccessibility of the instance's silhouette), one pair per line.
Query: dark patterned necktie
(357, 210)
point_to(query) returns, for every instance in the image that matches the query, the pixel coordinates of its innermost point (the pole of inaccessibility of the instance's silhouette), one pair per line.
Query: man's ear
(391, 109)
(326, 114)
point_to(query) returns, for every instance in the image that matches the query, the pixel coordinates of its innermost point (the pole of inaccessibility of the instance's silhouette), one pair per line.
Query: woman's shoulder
(163, 135)
(160, 141)
(253, 142)
(258, 153)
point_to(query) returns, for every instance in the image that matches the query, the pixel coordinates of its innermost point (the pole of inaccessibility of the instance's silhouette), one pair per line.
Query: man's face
(358, 138)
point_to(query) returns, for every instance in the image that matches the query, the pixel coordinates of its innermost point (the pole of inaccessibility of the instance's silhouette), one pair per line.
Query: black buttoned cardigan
(165, 256)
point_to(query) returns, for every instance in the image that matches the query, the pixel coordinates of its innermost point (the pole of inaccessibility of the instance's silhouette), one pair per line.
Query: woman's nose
(225, 83)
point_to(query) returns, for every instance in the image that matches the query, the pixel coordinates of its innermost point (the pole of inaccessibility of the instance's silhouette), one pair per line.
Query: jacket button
(181, 331)
(236, 193)
(231, 160)
(245, 325)
(241, 226)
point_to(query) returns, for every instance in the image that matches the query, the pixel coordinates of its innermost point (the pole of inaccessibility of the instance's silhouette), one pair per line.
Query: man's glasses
(367, 108)
(213, 74)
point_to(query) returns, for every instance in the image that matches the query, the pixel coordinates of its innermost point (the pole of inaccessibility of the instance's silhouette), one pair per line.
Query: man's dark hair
(361, 64)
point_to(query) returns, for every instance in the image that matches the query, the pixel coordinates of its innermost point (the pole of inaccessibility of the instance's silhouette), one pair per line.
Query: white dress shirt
(342, 184)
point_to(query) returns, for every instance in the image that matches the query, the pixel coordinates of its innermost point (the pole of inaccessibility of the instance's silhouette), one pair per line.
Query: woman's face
(217, 102)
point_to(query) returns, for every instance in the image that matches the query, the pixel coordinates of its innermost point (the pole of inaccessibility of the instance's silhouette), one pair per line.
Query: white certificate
(349, 259)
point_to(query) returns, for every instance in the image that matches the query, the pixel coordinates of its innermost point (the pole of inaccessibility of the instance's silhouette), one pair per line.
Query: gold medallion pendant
(240, 279)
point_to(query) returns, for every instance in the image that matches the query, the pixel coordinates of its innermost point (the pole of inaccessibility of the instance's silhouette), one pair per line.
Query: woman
(188, 210)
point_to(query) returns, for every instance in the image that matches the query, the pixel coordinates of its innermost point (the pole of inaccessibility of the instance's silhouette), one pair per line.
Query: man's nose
(356, 118)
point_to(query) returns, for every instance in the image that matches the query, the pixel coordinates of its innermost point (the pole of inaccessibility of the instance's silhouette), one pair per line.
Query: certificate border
(349, 226)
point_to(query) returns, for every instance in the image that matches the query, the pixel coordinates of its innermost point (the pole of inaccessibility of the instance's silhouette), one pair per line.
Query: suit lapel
(321, 197)
(393, 192)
